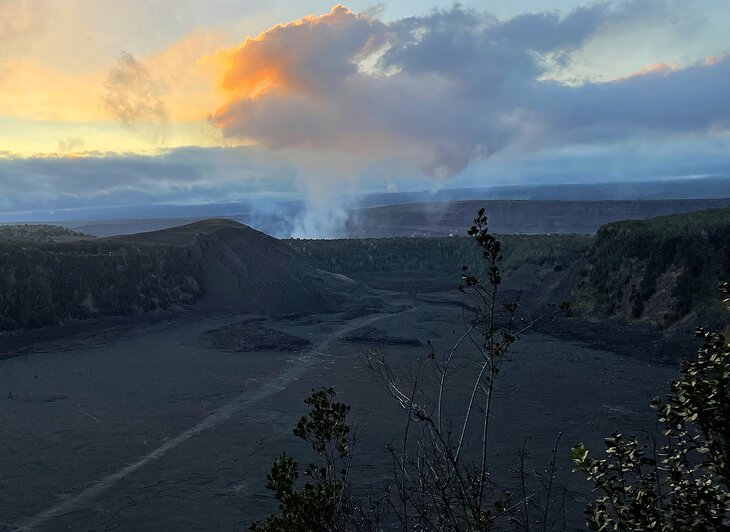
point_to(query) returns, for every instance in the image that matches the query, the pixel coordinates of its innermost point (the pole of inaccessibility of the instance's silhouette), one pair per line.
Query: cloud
(652, 102)
(188, 74)
(300, 58)
(456, 85)
(135, 98)
(97, 186)
(183, 174)
(70, 144)
(343, 102)
(19, 19)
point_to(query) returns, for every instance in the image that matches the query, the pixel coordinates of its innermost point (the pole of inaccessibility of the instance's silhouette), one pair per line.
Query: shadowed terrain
(168, 418)
(421, 215)
(513, 216)
(214, 265)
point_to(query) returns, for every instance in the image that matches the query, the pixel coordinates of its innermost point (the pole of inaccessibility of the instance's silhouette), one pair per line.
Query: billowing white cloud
(453, 86)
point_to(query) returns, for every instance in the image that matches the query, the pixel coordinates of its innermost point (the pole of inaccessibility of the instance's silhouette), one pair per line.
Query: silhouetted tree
(321, 504)
(439, 485)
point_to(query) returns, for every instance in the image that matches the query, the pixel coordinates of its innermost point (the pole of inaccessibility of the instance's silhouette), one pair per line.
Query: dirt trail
(239, 404)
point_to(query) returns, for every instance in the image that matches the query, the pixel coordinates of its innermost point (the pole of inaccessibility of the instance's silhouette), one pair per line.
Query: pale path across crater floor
(238, 405)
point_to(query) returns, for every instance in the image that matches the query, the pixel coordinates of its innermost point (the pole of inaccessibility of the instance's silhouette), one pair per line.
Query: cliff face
(46, 284)
(661, 271)
(214, 264)
(513, 216)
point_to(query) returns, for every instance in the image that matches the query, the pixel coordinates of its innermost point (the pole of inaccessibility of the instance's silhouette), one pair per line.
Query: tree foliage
(47, 284)
(322, 502)
(37, 233)
(441, 471)
(684, 484)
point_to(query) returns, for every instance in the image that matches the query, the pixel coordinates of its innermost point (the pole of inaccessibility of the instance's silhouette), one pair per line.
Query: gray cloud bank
(30, 188)
(183, 175)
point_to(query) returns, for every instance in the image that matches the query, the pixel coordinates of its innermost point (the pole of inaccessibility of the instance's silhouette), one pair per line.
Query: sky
(148, 102)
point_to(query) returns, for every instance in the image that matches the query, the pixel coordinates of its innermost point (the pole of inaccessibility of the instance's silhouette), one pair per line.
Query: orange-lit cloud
(302, 85)
(656, 68)
(280, 57)
(169, 95)
(442, 90)
(309, 58)
(189, 71)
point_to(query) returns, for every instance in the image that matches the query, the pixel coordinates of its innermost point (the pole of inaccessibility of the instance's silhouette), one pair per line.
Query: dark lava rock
(252, 336)
(373, 335)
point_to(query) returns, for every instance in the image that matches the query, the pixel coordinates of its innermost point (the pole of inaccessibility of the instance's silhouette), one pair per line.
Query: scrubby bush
(683, 484)
(322, 503)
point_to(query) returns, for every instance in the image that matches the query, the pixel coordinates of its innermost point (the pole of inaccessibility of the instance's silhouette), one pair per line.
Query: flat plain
(156, 428)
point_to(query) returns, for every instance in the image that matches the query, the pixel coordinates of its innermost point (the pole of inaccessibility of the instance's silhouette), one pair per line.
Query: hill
(244, 268)
(427, 214)
(659, 271)
(215, 265)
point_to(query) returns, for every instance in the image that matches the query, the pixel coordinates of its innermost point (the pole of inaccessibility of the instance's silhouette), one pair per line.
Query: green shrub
(322, 502)
(684, 484)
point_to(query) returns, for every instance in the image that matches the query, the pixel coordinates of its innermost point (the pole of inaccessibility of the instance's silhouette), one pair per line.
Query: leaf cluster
(683, 484)
(322, 502)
